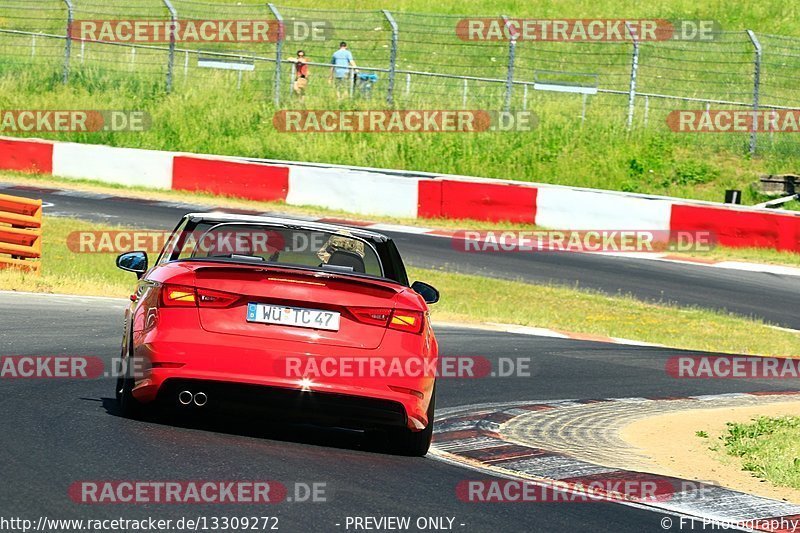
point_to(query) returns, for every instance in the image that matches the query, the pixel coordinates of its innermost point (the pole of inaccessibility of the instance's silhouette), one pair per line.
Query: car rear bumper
(241, 375)
(342, 410)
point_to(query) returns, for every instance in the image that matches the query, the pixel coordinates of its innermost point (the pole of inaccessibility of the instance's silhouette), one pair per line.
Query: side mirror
(428, 293)
(135, 262)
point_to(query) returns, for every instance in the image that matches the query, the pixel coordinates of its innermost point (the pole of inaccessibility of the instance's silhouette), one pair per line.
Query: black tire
(129, 407)
(414, 443)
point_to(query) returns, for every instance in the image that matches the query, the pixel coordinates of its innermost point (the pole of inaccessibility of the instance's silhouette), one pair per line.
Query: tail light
(406, 390)
(183, 296)
(209, 298)
(178, 296)
(410, 321)
(375, 316)
(402, 320)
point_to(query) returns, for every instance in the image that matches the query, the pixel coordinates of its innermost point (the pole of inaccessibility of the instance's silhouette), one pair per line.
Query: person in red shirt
(300, 75)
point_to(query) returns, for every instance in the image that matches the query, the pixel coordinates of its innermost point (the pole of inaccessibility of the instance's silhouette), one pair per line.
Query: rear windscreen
(340, 251)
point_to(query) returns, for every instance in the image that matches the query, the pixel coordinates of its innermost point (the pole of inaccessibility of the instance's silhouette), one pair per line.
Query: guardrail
(20, 233)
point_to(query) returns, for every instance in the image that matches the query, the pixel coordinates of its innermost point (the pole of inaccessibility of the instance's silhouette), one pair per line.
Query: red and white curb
(472, 437)
(409, 194)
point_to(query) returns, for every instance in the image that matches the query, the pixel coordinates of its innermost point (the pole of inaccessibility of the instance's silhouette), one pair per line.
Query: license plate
(293, 316)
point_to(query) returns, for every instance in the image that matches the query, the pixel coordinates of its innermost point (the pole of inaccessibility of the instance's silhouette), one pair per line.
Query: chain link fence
(418, 61)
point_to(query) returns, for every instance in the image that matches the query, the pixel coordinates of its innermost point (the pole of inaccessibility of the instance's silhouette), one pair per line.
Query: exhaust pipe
(185, 397)
(200, 399)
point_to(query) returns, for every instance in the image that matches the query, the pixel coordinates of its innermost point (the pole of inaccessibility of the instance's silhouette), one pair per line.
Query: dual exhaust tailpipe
(186, 398)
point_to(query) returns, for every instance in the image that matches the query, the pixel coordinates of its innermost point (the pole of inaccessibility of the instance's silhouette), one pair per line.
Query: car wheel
(128, 405)
(415, 443)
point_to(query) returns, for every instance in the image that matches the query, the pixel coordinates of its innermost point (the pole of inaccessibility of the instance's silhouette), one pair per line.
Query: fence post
(171, 59)
(525, 97)
(392, 56)
(278, 53)
(756, 89)
(512, 53)
(68, 44)
(634, 70)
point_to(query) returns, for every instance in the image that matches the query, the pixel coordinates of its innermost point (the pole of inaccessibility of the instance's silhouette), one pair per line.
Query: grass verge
(588, 145)
(465, 299)
(768, 447)
(720, 253)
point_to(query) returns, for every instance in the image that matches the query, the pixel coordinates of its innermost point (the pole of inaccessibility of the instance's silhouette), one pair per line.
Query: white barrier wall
(354, 191)
(123, 166)
(563, 208)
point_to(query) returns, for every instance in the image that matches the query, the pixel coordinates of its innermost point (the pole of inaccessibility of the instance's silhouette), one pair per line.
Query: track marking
(473, 437)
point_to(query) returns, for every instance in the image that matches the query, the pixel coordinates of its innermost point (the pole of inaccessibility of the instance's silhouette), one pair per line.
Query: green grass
(464, 299)
(206, 112)
(593, 313)
(767, 447)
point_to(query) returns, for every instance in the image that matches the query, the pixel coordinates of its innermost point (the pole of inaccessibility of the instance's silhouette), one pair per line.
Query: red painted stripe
(26, 156)
(738, 228)
(536, 407)
(637, 486)
(448, 436)
(444, 232)
(429, 204)
(499, 417)
(253, 181)
(493, 202)
(346, 222)
(504, 453)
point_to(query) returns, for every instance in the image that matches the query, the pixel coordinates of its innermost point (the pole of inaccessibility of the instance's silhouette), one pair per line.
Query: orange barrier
(20, 233)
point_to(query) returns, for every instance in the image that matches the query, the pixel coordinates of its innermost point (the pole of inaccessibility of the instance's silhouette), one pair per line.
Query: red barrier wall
(253, 181)
(492, 202)
(740, 228)
(26, 156)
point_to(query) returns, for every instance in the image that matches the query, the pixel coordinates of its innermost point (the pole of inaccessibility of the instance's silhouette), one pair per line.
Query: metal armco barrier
(20, 233)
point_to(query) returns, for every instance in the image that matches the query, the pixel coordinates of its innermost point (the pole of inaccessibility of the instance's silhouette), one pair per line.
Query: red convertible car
(315, 322)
